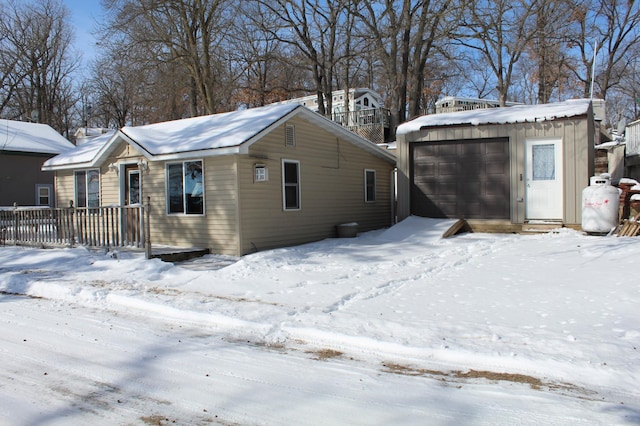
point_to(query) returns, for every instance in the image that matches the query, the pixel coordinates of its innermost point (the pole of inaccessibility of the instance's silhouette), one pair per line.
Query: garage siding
(460, 179)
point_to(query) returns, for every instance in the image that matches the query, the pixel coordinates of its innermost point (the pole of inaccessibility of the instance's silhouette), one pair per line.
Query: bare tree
(36, 62)
(314, 29)
(547, 49)
(499, 31)
(268, 68)
(405, 35)
(190, 33)
(608, 32)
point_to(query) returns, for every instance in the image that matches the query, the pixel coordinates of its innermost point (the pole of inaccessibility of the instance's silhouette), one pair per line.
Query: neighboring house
(236, 182)
(457, 103)
(516, 165)
(85, 134)
(632, 155)
(360, 110)
(23, 148)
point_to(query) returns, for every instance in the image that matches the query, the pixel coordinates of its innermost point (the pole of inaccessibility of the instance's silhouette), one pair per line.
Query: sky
(395, 326)
(84, 16)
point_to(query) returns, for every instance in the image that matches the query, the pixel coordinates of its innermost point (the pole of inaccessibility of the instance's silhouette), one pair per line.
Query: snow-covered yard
(392, 327)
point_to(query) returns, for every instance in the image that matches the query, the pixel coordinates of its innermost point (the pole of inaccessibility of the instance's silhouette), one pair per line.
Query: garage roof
(504, 115)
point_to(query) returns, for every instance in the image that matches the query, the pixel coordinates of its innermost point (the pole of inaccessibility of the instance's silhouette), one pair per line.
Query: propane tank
(600, 205)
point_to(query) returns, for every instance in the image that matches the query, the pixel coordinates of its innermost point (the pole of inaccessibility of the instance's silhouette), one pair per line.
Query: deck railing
(362, 117)
(107, 226)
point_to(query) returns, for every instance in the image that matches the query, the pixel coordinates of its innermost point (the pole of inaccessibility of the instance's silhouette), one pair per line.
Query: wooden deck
(504, 227)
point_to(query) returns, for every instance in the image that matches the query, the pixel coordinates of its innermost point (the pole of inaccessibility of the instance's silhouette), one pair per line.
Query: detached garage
(511, 166)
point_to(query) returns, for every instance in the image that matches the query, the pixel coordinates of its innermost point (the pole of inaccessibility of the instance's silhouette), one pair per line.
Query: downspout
(393, 184)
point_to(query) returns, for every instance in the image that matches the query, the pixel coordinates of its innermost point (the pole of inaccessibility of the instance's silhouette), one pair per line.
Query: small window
(369, 186)
(290, 135)
(260, 173)
(87, 188)
(43, 195)
(290, 185)
(185, 188)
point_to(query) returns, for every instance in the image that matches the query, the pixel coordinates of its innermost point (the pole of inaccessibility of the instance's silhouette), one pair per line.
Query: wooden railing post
(147, 229)
(16, 222)
(72, 237)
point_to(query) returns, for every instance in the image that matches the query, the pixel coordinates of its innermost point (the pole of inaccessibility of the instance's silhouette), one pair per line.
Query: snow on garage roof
(504, 115)
(22, 136)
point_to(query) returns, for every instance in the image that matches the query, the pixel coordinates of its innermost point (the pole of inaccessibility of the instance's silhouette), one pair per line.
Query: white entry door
(544, 184)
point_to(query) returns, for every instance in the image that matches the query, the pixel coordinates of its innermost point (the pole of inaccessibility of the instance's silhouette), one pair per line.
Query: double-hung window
(369, 186)
(185, 188)
(43, 195)
(87, 188)
(290, 185)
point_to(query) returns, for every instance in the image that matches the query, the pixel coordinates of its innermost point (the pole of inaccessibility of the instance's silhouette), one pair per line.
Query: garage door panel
(465, 178)
(444, 150)
(470, 190)
(471, 149)
(425, 169)
(495, 188)
(495, 148)
(427, 187)
(494, 167)
(448, 188)
(447, 168)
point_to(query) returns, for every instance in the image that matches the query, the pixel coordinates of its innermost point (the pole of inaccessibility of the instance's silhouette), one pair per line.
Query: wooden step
(540, 227)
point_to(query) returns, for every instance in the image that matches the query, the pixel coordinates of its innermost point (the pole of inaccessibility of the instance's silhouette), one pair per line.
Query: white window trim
(255, 173)
(166, 189)
(375, 186)
(284, 201)
(49, 189)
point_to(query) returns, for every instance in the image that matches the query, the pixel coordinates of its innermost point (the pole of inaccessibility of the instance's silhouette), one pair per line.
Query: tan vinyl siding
(331, 185)
(110, 180)
(64, 188)
(216, 229)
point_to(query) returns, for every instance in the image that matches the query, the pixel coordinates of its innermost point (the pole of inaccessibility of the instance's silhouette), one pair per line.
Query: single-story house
(236, 182)
(513, 166)
(24, 147)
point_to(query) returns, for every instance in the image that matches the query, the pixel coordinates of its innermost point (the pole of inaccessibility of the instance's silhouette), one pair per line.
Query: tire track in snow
(462, 255)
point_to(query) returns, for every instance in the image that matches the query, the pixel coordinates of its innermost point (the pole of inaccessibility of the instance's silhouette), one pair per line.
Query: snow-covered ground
(396, 326)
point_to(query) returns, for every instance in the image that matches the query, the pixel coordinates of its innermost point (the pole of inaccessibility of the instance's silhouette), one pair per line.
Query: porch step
(540, 227)
(177, 254)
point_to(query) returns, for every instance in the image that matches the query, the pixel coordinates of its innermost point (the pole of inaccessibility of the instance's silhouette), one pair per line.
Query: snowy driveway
(394, 327)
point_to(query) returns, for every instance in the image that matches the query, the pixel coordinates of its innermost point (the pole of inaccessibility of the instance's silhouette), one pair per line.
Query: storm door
(544, 184)
(132, 197)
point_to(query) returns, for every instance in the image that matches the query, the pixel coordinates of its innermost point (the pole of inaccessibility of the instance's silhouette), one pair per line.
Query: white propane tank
(600, 205)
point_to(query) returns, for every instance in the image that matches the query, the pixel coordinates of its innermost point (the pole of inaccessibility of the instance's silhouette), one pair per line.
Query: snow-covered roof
(83, 155)
(207, 132)
(22, 136)
(505, 115)
(218, 134)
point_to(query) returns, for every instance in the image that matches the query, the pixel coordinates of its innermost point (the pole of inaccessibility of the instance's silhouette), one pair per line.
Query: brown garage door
(460, 179)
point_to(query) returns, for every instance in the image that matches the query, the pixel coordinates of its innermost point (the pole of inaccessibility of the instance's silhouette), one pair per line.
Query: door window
(543, 162)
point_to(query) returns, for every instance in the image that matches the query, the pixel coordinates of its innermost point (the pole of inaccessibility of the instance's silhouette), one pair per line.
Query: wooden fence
(109, 226)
